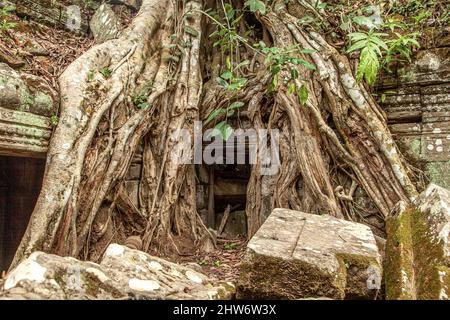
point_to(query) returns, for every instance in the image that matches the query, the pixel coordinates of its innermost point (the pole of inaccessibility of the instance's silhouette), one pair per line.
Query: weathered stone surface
(417, 264)
(56, 14)
(26, 102)
(105, 24)
(25, 92)
(23, 133)
(417, 104)
(132, 4)
(123, 273)
(297, 255)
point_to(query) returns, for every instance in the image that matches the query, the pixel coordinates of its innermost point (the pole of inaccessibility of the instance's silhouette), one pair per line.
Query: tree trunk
(167, 56)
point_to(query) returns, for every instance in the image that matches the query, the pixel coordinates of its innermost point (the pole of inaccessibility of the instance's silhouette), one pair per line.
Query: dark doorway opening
(20, 184)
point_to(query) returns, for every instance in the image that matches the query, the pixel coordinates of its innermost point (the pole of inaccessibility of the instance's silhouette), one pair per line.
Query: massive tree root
(339, 132)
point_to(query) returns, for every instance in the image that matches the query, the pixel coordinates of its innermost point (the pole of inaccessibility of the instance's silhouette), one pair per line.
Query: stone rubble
(123, 273)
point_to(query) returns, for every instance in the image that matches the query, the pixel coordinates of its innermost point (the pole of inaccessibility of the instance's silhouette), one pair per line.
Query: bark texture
(336, 142)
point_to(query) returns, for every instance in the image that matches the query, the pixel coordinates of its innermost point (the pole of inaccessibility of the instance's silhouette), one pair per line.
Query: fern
(402, 45)
(371, 45)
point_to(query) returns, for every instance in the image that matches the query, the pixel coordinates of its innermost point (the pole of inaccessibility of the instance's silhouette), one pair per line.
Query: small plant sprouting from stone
(54, 119)
(106, 72)
(217, 263)
(91, 75)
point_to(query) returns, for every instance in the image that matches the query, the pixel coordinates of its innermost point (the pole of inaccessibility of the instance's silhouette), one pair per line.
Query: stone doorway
(20, 184)
(222, 194)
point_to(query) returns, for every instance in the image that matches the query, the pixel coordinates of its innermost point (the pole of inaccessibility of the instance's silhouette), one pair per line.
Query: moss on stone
(415, 266)
(439, 173)
(398, 270)
(94, 286)
(43, 101)
(355, 286)
(416, 147)
(291, 279)
(428, 258)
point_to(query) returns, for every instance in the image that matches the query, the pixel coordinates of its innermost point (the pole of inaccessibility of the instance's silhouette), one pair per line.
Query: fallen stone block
(296, 255)
(417, 264)
(123, 273)
(105, 24)
(54, 13)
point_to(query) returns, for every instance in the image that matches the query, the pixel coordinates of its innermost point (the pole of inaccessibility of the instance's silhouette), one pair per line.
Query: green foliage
(191, 31)
(106, 72)
(140, 100)
(54, 119)
(370, 44)
(203, 262)
(91, 75)
(377, 51)
(401, 46)
(286, 60)
(230, 246)
(303, 94)
(5, 13)
(256, 6)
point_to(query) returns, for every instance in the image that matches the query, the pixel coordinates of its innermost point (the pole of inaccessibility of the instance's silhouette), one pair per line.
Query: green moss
(43, 100)
(225, 291)
(439, 173)
(414, 255)
(289, 279)
(428, 258)
(415, 147)
(398, 270)
(94, 286)
(352, 276)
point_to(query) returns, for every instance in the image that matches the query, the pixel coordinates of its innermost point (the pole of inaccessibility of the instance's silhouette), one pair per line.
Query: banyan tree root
(100, 127)
(157, 79)
(361, 141)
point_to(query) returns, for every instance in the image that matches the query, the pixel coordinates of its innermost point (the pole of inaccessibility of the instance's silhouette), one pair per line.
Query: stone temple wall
(417, 103)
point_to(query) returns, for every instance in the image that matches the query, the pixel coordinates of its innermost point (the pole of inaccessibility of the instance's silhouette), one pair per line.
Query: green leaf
(291, 88)
(222, 82)
(243, 63)
(191, 31)
(214, 114)
(228, 62)
(363, 21)
(308, 51)
(223, 130)
(227, 75)
(294, 73)
(305, 20)
(357, 36)
(368, 66)
(256, 6)
(303, 94)
(356, 46)
(236, 105)
(307, 64)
